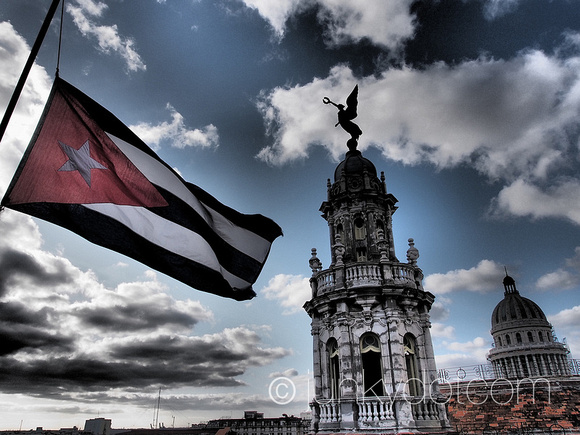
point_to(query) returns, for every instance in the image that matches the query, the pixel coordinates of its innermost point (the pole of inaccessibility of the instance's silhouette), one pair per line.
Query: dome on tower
(354, 164)
(515, 309)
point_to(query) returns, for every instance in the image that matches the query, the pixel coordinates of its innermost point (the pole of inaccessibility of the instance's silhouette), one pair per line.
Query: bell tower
(374, 368)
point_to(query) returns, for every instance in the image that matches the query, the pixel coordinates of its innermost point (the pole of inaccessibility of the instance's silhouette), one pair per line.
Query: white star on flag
(80, 160)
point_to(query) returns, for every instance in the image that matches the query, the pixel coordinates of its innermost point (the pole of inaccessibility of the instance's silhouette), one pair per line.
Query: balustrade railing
(329, 412)
(325, 281)
(425, 410)
(363, 274)
(366, 274)
(375, 410)
(403, 274)
(486, 371)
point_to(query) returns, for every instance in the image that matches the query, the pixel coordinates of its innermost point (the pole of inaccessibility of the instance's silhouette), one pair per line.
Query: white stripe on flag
(243, 240)
(167, 235)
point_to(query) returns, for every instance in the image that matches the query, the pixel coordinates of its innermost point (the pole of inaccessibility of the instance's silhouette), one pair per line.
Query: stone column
(316, 361)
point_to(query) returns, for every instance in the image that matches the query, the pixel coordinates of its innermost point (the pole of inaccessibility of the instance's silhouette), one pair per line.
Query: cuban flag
(86, 171)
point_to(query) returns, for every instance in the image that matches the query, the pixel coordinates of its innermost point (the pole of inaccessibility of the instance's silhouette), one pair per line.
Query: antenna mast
(156, 420)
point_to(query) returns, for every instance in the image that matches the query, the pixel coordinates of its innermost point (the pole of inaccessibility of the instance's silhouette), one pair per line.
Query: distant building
(41, 431)
(524, 343)
(254, 423)
(98, 426)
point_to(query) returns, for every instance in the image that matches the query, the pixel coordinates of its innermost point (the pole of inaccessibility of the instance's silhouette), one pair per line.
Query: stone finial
(412, 253)
(314, 263)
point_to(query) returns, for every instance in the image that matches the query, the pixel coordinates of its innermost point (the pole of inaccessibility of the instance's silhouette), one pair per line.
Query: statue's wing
(352, 103)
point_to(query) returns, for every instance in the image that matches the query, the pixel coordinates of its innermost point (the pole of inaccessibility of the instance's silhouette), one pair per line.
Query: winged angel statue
(346, 115)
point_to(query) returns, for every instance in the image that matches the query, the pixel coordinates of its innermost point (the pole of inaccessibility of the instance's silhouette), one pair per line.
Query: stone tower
(524, 342)
(374, 368)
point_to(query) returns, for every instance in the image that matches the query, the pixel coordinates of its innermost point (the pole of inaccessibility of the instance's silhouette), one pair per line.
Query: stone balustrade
(329, 412)
(365, 275)
(375, 410)
(425, 410)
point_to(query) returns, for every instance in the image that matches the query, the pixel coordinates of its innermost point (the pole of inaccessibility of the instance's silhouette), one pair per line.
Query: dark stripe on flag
(121, 239)
(231, 259)
(266, 228)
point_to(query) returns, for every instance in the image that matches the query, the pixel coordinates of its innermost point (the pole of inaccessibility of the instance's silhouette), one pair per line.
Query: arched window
(499, 341)
(333, 368)
(370, 349)
(518, 338)
(409, 346)
(530, 337)
(541, 336)
(359, 229)
(508, 340)
(361, 254)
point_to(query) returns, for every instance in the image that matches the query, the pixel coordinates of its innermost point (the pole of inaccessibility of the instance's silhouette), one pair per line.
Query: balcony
(359, 275)
(372, 413)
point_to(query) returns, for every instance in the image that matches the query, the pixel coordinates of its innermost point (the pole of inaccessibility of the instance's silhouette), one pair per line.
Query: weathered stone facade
(374, 368)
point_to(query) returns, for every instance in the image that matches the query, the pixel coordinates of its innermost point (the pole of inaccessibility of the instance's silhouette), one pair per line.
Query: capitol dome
(524, 343)
(514, 310)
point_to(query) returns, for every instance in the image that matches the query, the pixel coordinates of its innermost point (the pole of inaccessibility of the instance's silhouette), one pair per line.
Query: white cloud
(464, 354)
(387, 24)
(439, 310)
(482, 278)
(384, 23)
(560, 200)
(176, 132)
(13, 54)
(440, 330)
(558, 280)
(493, 9)
(476, 344)
(286, 373)
(278, 12)
(485, 110)
(568, 318)
(108, 37)
(292, 291)
(566, 324)
(563, 278)
(513, 120)
(574, 262)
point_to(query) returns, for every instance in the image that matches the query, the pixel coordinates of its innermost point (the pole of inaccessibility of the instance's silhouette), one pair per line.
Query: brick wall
(549, 404)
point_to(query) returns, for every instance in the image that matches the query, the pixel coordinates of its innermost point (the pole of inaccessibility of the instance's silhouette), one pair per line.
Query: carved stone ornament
(355, 183)
(412, 253)
(314, 263)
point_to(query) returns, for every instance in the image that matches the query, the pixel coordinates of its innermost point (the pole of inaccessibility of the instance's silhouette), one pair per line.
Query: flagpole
(27, 67)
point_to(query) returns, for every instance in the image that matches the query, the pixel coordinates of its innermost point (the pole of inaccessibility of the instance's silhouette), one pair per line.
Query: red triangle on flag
(73, 161)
